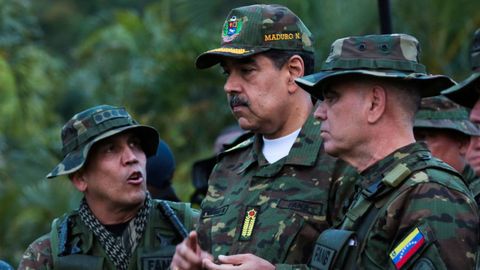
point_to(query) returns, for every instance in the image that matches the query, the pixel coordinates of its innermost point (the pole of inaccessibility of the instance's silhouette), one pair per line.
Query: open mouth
(135, 178)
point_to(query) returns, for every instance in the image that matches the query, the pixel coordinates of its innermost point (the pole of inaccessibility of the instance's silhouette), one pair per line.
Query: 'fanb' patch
(232, 28)
(322, 257)
(156, 263)
(407, 248)
(249, 223)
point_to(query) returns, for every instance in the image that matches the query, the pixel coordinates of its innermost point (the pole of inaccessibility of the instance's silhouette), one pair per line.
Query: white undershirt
(275, 149)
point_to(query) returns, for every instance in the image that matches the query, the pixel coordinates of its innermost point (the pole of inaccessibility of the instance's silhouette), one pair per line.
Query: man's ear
(296, 69)
(377, 103)
(78, 180)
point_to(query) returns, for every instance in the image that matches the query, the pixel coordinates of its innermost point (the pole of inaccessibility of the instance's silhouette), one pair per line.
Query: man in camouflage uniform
(467, 93)
(118, 225)
(446, 129)
(411, 210)
(268, 194)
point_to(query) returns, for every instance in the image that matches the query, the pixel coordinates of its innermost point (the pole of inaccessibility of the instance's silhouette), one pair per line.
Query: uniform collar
(405, 154)
(304, 151)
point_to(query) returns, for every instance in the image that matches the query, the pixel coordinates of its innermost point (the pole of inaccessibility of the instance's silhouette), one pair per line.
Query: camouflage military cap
(254, 29)
(441, 113)
(467, 92)
(92, 125)
(389, 56)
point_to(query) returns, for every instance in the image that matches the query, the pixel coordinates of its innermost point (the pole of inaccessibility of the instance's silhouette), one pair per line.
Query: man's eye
(109, 148)
(135, 143)
(329, 98)
(246, 70)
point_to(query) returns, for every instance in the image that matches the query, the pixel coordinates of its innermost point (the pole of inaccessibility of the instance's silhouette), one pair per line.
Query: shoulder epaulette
(242, 141)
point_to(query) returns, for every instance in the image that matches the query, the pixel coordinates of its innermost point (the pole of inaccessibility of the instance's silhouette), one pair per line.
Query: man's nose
(320, 111)
(129, 155)
(232, 84)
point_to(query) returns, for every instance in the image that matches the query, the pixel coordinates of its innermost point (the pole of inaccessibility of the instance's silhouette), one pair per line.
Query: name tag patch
(302, 206)
(156, 263)
(213, 212)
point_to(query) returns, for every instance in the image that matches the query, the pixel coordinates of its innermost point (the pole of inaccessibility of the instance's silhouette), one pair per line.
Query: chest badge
(249, 223)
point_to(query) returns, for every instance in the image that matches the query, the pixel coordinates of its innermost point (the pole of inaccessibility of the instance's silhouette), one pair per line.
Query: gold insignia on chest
(248, 223)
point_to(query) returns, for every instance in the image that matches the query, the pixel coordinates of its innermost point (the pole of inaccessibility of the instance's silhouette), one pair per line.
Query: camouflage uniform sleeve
(448, 217)
(194, 215)
(38, 255)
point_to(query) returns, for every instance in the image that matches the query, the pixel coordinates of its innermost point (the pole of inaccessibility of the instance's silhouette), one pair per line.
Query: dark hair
(280, 57)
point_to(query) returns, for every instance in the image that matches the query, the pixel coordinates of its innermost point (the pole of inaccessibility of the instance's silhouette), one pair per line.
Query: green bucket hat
(467, 92)
(389, 56)
(254, 29)
(441, 113)
(92, 125)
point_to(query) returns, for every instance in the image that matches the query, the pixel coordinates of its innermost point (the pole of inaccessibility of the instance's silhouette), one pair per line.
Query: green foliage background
(60, 57)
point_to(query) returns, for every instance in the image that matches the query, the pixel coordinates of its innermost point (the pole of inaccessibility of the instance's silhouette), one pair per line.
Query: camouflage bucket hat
(92, 125)
(389, 56)
(441, 113)
(467, 92)
(258, 28)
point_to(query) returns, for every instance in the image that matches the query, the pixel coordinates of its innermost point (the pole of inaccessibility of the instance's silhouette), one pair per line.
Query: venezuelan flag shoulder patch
(407, 248)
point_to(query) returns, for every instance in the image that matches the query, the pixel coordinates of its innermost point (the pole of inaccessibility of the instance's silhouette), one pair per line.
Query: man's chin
(331, 151)
(245, 124)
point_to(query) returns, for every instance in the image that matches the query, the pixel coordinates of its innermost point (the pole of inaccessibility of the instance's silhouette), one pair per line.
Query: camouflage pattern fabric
(92, 125)
(388, 56)
(38, 255)
(275, 211)
(467, 92)
(254, 29)
(441, 113)
(342, 191)
(432, 200)
(155, 250)
(473, 182)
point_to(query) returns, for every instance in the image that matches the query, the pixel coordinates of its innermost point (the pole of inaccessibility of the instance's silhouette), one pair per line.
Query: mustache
(236, 100)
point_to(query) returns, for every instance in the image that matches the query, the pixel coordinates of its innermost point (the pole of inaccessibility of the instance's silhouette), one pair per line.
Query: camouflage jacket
(155, 250)
(428, 218)
(473, 182)
(275, 211)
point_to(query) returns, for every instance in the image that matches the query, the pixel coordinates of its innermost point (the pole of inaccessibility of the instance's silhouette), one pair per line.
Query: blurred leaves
(60, 57)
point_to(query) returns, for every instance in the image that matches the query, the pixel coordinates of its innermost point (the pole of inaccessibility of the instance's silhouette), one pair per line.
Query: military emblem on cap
(467, 92)
(389, 56)
(441, 113)
(92, 125)
(254, 29)
(231, 29)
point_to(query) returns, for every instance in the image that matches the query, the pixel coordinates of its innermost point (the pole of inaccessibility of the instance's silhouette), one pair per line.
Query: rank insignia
(231, 28)
(248, 223)
(407, 248)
